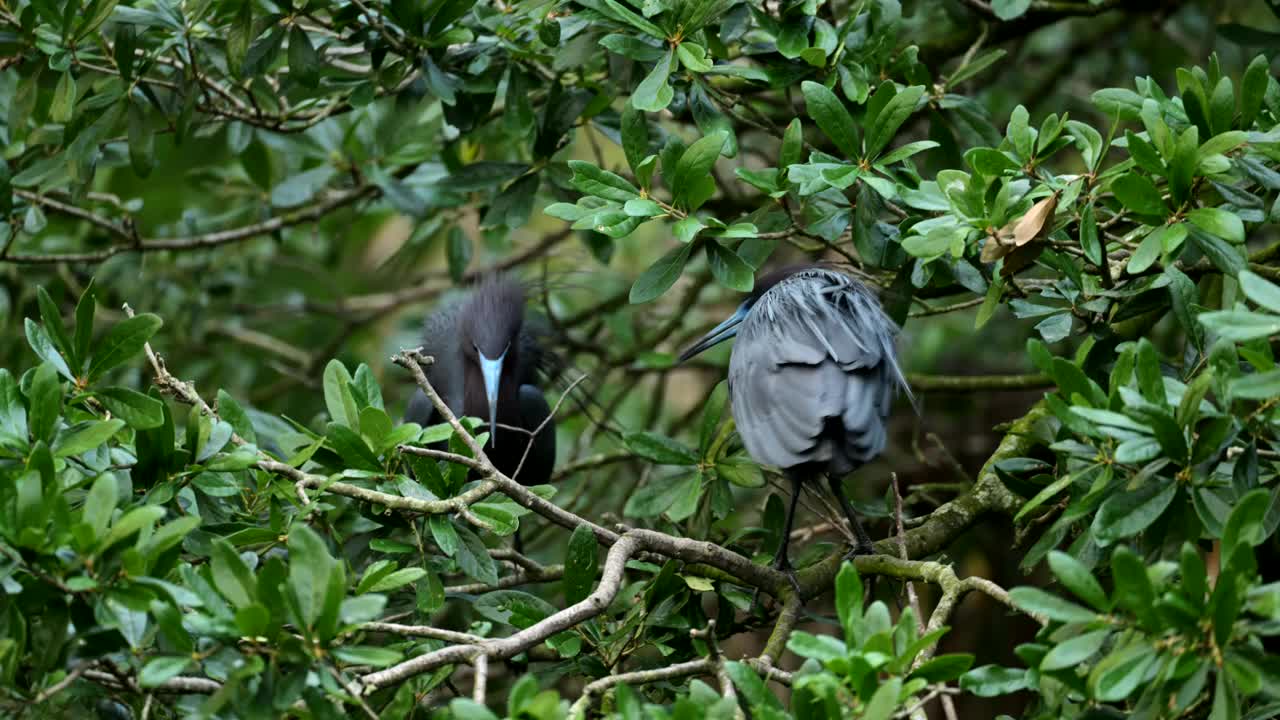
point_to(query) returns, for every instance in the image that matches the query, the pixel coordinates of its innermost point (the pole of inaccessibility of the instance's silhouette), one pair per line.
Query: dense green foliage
(281, 191)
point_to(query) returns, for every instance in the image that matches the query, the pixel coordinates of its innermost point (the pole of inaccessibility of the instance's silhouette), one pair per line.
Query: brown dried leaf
(1035, 221)
(995, 248)
(1020, 258)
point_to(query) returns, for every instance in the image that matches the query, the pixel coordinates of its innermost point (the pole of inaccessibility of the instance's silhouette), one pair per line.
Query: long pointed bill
(491, 370)
(718, 334)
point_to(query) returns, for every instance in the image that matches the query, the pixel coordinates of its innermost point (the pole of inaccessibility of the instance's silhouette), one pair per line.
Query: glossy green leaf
(122, 343)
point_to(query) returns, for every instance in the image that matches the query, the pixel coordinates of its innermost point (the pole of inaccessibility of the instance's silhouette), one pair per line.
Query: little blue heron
(811, 380)
(489, 360)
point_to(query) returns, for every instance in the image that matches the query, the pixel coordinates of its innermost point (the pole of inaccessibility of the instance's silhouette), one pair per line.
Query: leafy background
(282, 191)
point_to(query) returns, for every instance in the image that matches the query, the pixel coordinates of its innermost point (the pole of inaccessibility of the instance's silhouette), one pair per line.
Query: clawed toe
(795, 581)
(860, 550)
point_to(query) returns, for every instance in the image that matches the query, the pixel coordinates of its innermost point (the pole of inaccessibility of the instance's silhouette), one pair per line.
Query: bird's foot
(784, 567)
(860, 549)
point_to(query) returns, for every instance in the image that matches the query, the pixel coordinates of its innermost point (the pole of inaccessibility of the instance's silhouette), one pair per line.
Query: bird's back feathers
(813, 373)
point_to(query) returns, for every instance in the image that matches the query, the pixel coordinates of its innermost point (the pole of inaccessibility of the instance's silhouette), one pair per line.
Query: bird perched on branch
(811, 379)
(489, 362)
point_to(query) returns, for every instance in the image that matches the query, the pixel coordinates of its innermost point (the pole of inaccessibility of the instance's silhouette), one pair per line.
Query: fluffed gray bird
(812, 378)
(490, 359)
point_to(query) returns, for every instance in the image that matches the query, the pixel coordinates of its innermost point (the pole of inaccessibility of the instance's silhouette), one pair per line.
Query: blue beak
(719, 333)
(491, 370)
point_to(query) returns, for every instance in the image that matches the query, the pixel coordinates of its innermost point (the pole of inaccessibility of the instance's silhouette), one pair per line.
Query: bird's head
(489, 326)
(729, 327)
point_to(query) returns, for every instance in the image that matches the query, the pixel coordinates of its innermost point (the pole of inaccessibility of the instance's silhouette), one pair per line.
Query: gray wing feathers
(813, 372)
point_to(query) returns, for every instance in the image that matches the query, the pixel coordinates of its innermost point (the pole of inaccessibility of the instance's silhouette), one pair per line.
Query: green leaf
(884, 126)
(1219, 222)
(64, 99)
(1226, 703)
(580, 564)
(458, 253)
(848, 597)
(1137, 193)
(395, 580)
(645, 208)
(1089, 238)
(728, 269)
(1075, 651)
(231, 576)
(943, 668)
(832, 118)
(1253, 88)
(822, 648)
(84, 324)
(1257, 386)
(468, 709)
(1079, 579)
(365, 655)
(1240, 325)
(1260, 290)
(792, 149)
(593, 181)
(884, 701)
(1118, 102)
(88, 437)
(304, 61)
(660, 449)
(979, 63)
(694, 57)
(142, 143)
(125, 340)
(654, 93)
(990, 303)
(351, 447)
(300, 188)
(99, 504)
(130, 523)
(1133, 590)
(52, 319)
(473, 557)
(661, 275)
(44, 402)
(1125, 514)
(991, 163)
(44, 348)
(310, 567)
(1038, 602)
(993, 680)
(1116, 676)
(1246, 522)
(748, 683)
(1224, 256)
(906, 151)
(694, 168)
(443, 532)
(160, 670)
(1146, 255)
(337, 394)
(635, 136)
(141, 412)
(230, 410)
(1010, 9)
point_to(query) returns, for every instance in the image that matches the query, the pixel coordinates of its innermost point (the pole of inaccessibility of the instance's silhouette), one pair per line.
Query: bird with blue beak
(812, 378)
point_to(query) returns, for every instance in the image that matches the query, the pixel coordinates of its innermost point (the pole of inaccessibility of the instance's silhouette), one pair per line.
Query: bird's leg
(864, 545)
(782, 562)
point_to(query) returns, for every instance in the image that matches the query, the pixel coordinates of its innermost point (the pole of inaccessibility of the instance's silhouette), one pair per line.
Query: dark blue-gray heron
(489, 361)
(812, 377)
